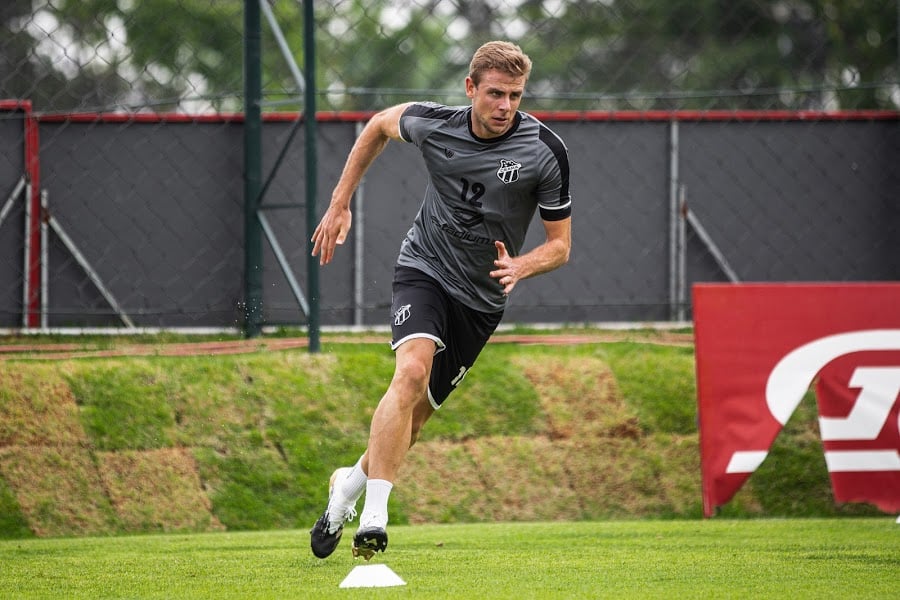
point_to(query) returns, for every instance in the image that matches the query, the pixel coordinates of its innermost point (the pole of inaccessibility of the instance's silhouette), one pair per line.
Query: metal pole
(284, 263)
(26, 267)
(681, 296)
(45, 259)
(7, 206)
(707, 240)
(312, 264)
(359, 248)
(252, 169)
(282, 43)
(673, 219)
(91, 273)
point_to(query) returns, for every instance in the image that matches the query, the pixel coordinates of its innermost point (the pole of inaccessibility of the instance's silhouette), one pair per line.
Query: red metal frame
(33, 173)
(562, 115)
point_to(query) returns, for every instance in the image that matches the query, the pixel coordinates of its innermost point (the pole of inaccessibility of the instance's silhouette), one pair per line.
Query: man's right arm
(380, 129)
(335, 224)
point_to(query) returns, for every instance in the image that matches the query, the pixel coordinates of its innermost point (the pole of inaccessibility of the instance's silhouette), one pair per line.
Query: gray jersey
(479, 191)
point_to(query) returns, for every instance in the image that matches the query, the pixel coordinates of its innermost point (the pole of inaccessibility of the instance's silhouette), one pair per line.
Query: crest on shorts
(402, 314)
(508, 171)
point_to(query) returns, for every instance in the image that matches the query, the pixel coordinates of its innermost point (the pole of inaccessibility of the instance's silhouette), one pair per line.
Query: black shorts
(422, 309)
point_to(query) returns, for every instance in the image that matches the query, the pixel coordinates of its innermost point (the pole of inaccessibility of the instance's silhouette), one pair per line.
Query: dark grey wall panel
(797, 201)
(156, 208)
(12, 168)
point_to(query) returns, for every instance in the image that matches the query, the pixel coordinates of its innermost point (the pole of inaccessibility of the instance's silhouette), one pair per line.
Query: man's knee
(413, 369)
(412, 373)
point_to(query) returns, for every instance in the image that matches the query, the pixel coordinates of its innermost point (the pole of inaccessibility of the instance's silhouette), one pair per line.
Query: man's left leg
(397, 420)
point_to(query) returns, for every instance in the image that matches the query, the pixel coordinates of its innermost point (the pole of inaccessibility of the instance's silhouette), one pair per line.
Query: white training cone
(371, 576)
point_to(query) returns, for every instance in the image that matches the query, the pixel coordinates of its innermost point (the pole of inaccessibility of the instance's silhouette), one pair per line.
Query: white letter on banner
(880, 387)
(855, 461)
(794, 373)
(746, 462)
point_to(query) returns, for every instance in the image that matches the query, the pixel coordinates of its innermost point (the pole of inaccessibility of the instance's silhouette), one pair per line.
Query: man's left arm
(552, 254)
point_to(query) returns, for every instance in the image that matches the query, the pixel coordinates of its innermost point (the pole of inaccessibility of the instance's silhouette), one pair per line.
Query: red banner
(760, 347)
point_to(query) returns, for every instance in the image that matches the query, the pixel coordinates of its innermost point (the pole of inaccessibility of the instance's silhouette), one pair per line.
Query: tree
(187, 55)
(723, 53)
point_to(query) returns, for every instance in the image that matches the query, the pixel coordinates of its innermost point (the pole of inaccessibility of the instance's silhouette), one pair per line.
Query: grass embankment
(246, 442)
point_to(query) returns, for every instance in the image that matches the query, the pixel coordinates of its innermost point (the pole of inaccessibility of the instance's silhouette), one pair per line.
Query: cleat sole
(367, 543)
(365, 553)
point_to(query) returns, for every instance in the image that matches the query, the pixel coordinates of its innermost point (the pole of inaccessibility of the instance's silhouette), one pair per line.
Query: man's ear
(470, 88)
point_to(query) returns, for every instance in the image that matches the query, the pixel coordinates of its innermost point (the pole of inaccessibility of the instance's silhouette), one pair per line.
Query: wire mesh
(784, 114)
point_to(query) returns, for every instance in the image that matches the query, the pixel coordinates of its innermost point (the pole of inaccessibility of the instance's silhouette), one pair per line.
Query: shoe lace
(334, 524)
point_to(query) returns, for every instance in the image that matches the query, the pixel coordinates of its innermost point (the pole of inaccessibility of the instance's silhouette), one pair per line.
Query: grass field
(720, 558)
(223, 460)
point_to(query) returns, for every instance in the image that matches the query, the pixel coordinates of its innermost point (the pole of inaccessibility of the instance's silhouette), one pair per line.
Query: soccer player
(490, 167)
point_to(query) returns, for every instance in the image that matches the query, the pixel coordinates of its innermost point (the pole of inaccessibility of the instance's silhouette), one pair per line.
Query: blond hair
(503, 56)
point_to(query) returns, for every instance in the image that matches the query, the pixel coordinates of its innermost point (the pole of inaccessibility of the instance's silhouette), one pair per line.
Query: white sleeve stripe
(560, 207)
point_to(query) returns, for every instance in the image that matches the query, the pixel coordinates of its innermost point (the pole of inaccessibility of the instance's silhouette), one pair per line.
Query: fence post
(674, 216)
(252, 169)
(309, 108)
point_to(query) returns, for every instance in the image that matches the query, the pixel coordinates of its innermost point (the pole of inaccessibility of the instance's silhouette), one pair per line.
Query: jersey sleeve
(421, 118)
(554, 198)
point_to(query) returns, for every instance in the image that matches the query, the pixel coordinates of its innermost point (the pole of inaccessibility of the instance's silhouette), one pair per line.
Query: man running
(490, 167)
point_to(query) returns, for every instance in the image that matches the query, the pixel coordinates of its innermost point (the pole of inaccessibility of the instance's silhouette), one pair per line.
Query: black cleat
(368, 541)
(322, 542)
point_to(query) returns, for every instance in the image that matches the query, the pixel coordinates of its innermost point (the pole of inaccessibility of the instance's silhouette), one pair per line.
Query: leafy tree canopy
(187, 55)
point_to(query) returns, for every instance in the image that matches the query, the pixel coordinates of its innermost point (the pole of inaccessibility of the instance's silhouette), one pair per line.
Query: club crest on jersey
(508, 171)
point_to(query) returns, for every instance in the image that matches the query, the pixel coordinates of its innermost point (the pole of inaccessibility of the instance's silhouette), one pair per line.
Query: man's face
(495, 101)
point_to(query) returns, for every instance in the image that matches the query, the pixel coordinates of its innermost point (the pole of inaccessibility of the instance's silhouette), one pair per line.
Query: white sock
(375, 513)
(355, 484)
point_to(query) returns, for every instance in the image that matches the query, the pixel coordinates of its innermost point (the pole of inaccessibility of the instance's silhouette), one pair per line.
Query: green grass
(659, 381)
(719, 558)
(12, 523)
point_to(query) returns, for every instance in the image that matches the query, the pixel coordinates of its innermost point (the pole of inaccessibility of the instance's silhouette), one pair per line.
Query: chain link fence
(186, 55)
(746, 140)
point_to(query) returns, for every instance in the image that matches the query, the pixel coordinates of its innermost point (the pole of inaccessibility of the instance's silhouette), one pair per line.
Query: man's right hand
(331, 231)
